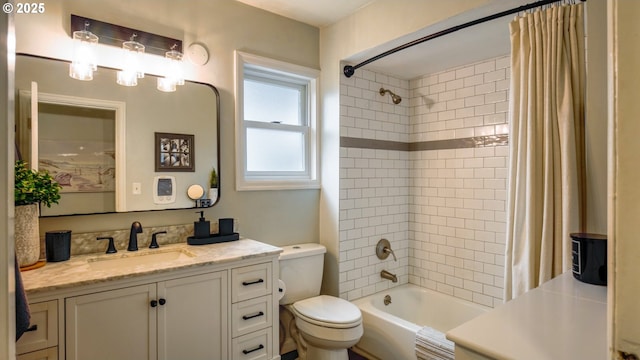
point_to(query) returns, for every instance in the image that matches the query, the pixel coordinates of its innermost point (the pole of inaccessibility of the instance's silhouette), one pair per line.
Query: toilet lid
(329, 310)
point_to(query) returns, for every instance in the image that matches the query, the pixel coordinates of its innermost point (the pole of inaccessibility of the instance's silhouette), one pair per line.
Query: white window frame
(278, 71)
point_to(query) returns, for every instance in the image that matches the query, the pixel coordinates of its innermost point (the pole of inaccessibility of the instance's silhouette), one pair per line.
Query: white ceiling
(318, 13)
(470, 45)
(477, 43)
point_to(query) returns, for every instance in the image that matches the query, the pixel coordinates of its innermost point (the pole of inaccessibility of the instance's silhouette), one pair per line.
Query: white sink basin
(133, 259)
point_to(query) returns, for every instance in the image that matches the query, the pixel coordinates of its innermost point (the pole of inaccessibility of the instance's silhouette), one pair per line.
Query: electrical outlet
(136, 188)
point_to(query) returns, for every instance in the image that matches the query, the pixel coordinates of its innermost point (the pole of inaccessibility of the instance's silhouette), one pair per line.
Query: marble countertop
(562, 319)
(81, 270)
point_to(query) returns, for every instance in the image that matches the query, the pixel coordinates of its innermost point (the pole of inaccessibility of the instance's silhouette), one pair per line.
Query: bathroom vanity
(561, 319)
(199, 302)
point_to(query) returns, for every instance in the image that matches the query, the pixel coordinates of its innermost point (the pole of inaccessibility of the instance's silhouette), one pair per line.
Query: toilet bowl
(325, 326)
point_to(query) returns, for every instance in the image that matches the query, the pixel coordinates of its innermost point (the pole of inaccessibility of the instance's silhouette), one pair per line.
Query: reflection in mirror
(77, 146)
(98, 139)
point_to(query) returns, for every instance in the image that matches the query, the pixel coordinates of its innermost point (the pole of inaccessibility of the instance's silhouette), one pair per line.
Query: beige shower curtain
(546, 170)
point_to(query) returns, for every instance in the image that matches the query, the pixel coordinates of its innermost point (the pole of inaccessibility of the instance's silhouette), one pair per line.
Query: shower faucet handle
(383, 249)
(388, 250)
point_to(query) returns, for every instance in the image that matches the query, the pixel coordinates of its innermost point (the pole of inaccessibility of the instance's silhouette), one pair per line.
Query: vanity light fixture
(133, 49)
(131, 63)
(174, 74)
(83, 63)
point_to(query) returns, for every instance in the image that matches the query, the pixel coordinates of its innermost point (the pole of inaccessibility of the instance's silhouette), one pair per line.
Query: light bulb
(173, 71)
(83, 62)
(131, 63)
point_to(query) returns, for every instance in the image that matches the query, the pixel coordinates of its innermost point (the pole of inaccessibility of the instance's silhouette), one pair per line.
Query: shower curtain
(546, 165)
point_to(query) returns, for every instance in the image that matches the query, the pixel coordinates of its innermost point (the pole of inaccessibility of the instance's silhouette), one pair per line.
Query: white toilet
(327, 325)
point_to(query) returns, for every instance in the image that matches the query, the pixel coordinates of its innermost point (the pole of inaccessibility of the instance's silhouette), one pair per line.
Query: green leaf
(33, 187)
(213, 179)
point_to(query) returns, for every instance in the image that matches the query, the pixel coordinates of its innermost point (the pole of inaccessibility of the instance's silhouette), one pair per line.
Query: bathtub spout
(389, 276)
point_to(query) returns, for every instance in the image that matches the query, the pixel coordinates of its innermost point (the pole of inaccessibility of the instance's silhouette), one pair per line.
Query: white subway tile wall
(366, 114)
(374, 184)
(457, 215)
(442, 210)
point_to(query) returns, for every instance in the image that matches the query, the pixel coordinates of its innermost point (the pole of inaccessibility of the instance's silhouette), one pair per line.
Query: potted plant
(213, 186)
(31, 189)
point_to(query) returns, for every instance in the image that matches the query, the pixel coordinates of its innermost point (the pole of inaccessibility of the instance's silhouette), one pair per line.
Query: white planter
(213, 195)
(27, 234)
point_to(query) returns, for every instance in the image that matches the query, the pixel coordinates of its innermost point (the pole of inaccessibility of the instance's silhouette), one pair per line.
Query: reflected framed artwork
(174, 152)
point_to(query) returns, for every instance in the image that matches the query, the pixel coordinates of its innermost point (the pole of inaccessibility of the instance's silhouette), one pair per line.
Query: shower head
(395, 98)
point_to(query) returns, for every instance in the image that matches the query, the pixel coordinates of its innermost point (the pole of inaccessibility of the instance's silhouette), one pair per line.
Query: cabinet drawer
(251, 315)
(254, 346)
(43, 331)
(46, 354)
(249, 282)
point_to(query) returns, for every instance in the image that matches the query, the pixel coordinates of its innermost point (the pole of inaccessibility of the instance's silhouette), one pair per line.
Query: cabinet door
(45, 354)
(192, 319)
(43, 330)
(117, 324)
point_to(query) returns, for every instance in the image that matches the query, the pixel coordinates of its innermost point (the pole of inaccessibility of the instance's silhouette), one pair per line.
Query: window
(276, 135)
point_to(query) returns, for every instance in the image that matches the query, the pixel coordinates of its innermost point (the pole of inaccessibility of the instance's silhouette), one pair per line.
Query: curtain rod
(350, 70)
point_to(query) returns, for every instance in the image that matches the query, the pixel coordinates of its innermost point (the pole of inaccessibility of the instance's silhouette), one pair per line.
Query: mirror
(116, 148)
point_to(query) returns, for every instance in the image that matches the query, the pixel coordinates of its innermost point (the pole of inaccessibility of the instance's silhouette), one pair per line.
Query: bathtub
(390, 330)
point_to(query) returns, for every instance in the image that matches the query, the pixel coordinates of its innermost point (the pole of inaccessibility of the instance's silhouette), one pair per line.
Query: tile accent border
(471, 142)
(360, 143)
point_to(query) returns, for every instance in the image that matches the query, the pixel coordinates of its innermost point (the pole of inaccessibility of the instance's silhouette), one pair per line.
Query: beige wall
(276, 217)
(596, 117)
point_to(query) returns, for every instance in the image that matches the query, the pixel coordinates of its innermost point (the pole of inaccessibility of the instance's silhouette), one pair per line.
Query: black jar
(58, 245)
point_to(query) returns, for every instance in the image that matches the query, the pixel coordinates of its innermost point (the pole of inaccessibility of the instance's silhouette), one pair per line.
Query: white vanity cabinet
(194, 317)
(40, 341)
(252, 312)
(218, 304)
(114, 324)
(173, 319)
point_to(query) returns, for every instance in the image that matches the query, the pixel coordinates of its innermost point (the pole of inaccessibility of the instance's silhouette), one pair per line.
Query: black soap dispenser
(201, 228)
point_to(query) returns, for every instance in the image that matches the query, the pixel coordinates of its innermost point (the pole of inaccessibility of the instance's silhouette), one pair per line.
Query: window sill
(254, 185)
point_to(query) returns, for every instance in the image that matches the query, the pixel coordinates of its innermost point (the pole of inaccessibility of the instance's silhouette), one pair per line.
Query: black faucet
(136, 228)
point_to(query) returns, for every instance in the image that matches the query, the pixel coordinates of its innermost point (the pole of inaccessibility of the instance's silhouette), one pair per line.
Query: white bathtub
(390, 330)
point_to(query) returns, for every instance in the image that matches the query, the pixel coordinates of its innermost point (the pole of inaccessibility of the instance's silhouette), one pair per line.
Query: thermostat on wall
(164, 190)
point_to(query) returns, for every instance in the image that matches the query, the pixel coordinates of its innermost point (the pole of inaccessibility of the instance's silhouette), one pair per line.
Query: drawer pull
(33, 327)
(247, 283)
(247, 317)
(259, 347)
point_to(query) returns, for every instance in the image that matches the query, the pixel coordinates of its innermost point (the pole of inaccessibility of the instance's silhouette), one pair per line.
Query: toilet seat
(328, 311)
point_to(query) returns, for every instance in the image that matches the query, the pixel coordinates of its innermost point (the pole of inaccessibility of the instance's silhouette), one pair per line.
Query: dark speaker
(589, 253)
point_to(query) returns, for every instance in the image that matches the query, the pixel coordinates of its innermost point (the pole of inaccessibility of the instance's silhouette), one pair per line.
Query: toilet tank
(301, 271)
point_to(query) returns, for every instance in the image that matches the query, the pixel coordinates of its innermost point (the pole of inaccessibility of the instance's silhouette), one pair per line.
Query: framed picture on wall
(175, 152)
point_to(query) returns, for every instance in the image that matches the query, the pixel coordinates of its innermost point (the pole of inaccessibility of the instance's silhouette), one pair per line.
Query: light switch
(136, 188)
